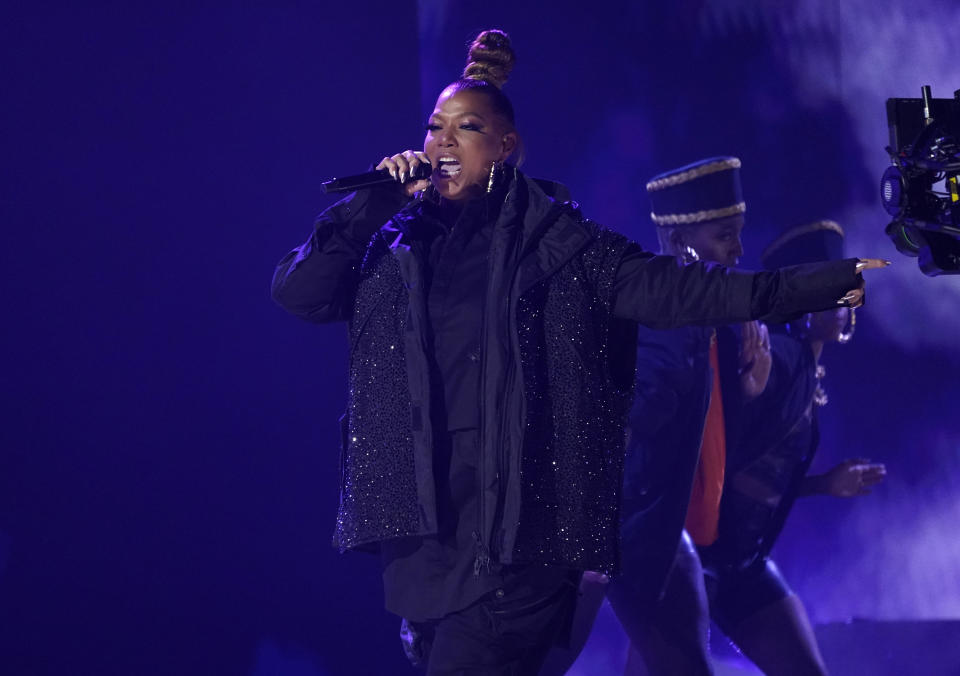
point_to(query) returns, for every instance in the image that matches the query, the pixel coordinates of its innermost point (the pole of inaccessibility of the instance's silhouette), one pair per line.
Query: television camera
(925, 151)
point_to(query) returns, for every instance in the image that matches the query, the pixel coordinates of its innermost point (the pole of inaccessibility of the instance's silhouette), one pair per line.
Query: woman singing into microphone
(492, 338)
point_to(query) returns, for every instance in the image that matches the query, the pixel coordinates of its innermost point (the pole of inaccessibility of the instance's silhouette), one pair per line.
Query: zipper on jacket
(481, 559)
(509, 333)
(484, 548)
(502, 469)
(495, 535)
(487, 530)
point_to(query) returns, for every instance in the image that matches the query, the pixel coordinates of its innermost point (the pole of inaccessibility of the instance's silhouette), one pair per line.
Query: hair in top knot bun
(491, 58)
(488, 67)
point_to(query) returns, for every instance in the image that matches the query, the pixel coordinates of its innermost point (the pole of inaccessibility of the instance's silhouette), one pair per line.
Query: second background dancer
(768, 470)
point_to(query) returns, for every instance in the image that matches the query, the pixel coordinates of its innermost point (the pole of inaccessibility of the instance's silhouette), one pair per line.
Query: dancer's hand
(755, 360)
(852, 477)
(854, 297)
(402, 166)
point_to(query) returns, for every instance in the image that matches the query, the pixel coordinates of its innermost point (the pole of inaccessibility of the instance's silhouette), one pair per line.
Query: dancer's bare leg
(672, 638)
(779, 639)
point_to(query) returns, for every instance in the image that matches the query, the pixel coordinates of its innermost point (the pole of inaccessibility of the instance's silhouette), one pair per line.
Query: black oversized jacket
(556, 371)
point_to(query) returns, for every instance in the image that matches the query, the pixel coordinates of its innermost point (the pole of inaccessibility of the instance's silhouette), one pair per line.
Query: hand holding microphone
(404, 166)
(411, 169)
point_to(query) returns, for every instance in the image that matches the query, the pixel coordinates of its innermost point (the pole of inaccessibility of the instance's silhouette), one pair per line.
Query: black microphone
(371, 178)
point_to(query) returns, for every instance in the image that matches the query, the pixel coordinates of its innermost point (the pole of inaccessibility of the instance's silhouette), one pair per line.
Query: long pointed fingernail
(393, 174)
(403, 176)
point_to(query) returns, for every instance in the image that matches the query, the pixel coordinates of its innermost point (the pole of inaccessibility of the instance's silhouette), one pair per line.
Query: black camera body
(925, 150)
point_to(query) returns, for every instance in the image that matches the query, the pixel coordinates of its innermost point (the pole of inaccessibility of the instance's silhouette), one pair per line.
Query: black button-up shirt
(458, 261)
(427, 578)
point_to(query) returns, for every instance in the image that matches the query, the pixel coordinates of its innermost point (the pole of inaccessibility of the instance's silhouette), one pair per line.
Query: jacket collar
(554, 231)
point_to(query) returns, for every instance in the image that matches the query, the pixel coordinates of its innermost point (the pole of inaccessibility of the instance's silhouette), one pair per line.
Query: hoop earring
(496, 171)
(689, 255)
(845, 337)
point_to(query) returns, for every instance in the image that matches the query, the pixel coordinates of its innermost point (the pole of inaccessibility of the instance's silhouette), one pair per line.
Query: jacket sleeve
(659, 292)
(317, 280)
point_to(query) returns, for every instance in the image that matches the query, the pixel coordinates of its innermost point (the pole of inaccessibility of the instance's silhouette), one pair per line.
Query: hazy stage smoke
(861, 53)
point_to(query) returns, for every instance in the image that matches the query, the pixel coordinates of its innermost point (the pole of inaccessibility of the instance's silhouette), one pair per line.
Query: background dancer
(767, 471)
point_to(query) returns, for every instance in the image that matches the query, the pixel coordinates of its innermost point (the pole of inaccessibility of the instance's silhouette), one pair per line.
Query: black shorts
(735, 595)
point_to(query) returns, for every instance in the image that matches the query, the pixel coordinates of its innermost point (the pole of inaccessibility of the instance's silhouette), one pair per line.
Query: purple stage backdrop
(168, 451)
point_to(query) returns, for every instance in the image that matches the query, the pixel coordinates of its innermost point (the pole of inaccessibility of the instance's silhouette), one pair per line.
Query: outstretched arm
(659, 292)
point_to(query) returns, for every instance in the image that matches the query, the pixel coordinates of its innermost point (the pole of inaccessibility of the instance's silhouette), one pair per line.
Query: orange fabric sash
(703, 512)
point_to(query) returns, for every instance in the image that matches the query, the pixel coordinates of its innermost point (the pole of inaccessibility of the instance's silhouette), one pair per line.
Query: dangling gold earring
(689, 255)
(496, 169)
(845, 337)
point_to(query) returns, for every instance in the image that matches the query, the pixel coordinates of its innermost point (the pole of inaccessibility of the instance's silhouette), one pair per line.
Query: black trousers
(502, 634)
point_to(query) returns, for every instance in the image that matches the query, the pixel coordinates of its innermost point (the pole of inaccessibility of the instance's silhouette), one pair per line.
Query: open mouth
(448, 166)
